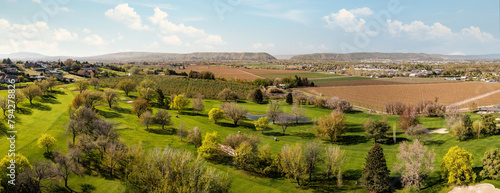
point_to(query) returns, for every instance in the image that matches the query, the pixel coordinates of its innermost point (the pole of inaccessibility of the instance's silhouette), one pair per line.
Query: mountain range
(248, 56)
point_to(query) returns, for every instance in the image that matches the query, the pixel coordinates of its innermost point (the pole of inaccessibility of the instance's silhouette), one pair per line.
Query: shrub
(491, 164)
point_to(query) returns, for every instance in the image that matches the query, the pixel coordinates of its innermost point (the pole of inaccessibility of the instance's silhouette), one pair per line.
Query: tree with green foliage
(47, 142)
(415, 162)
(375, 176)
(291, 162)
(111, 96)
(160, 98)
(127, 85)
(139, 106)
(209, 145)
(489, 124)
(265, 162)
(257, 96)
(289, 98)
(463, 129)
(94, 82)
(216, 114)
(31, 92)
(261, 124)
(163, 118)
(91, 97)
(179, 103)
(273, 110)
(456, 167)
(491, 164)
(376, 129)
(82, 85)
(21, 165)
(244, 156)
(331, 126)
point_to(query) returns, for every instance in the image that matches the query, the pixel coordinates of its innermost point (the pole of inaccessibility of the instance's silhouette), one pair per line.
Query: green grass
(49, 115)
(301, 74)
(340, 79)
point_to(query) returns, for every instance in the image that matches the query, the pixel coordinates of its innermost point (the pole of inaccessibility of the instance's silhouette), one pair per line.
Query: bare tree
(312, 156)
(111, 96)
(146, 119)
(234, 111)
(113, 154)
(181, 132)
(197, 103)
(415, 162)
(285, 120)
(65, 167)
(334, 159)
(194, 137)
(297, 112)
(273, 110)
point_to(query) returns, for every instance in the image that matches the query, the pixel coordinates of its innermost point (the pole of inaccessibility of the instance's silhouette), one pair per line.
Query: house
(4, 78)
(484, 110)
(413, 75)
(10, 70)
(464, 78)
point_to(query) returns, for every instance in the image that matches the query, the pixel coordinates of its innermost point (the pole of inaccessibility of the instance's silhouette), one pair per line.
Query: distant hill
(149, 56)
(371, 56)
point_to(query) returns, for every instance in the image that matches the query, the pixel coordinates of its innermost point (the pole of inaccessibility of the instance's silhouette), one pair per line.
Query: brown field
(376, 96)
(355, 83)
(493, 99)
(272, 71)
(222, 71)
(407, 80)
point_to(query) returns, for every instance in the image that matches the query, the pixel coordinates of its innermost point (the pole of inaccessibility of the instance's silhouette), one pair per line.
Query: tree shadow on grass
(273, 134)
(193, 114)
(305, 135)
(122, 110)
(390, 140)
(166, 131)
(24, 111)
(353, 112)
(351, 139)
(3, 129)
(40, 107)
(48, 99)
(59, 92)
(355, 128)
(434, 142)
(109, 114)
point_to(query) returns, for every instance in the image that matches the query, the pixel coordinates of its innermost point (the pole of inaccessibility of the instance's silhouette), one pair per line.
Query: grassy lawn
(49, 115)
(301, 74)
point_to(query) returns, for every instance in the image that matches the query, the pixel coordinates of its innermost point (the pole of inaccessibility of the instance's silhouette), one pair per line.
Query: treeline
(190, 87)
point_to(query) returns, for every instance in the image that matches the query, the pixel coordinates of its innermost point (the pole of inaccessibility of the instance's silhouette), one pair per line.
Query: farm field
(223, 71)
(408, 80)
(493, 99)
(309, 75)
(272, 71)
(49, 118)
(376, 96)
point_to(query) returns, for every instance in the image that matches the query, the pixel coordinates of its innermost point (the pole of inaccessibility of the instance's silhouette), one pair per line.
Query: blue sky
(279, 27)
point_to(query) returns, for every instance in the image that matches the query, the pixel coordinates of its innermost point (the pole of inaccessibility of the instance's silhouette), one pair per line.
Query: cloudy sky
(279, 27)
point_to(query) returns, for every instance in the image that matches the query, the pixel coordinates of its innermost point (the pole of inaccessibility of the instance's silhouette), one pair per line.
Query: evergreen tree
(258, 97)
(289, 98)
(160, 98)
(375, 174)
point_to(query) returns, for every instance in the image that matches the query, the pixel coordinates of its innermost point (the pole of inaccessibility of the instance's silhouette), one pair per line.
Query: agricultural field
(376, 96)
(408, 80)
(490, 100)
(222, 71)
(309, 75)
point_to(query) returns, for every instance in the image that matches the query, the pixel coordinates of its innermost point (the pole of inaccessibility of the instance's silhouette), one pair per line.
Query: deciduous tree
(297, 112)
(46, 141)
(331, 125)
(111, 96)
(140, 106)
(312, 156)
(179, 103)
(377, 129)
(227, 94)
(163, 118)
(491, 164)
(194, 137)
(146, 119)
(456, 167)
(127, 85)
(31, 92)
(285, 120)
(261, 124)
(415, 162)
(292, 162)
(273, 110)
(197, 104)
(209, 146)
(216, 114)
(234, 111)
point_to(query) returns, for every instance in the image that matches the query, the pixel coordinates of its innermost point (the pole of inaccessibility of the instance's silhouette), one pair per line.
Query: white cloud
(94, 40)
(37, 1)
(64, 9)
(258, 46)
(211, 40)
(65, 35)
(171, 40)
(34, 37)
(418, 30)
(348, 20)
(126, 15)
(86, 30)
(170, 31)
(292, 15)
